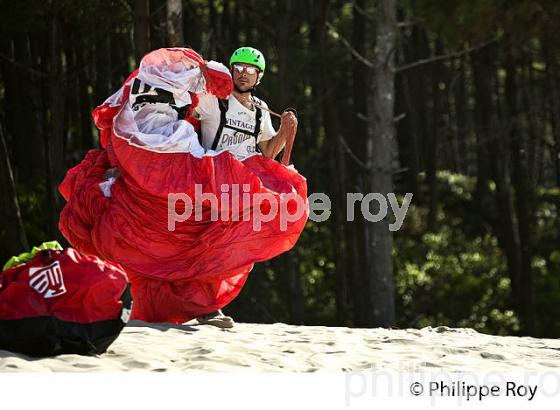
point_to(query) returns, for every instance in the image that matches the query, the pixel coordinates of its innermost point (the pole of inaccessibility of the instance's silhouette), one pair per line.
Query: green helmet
(248, 55)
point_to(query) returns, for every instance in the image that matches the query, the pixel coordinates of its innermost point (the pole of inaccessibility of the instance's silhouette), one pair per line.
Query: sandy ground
(285, 348)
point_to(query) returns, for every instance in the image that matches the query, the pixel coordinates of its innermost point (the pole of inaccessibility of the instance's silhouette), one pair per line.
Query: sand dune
(285, 348)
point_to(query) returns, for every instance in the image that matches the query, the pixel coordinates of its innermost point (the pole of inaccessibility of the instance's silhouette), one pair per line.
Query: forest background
(457, 102)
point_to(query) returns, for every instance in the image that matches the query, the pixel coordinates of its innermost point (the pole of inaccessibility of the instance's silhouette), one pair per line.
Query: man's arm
(206, 107)
(288, 125)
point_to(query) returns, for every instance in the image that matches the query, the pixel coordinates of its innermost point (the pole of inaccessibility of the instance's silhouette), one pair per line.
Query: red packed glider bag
(62, 302)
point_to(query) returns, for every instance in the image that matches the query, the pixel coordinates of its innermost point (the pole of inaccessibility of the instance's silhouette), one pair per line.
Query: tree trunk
(499, 159)
(121, 43)
(290, 260)
(296, 298)
(417, 81)
(553, 109)
(85, 100)
(379, 159)
(355, 233)
(316, 34)
(71, 103)
(175, 23)
(158, 24)
(531, 104)
(485, 133)
(336, 165)
(462, 122)
(27, 142)
(406, 133)
(55, 145)
(433, 140)
(141, 28)
(103, 67)
(524, 196)
(11, 214)
(209, 46)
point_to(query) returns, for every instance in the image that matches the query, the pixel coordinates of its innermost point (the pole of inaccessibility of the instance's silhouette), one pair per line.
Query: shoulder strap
(223, 105)
(258, 117)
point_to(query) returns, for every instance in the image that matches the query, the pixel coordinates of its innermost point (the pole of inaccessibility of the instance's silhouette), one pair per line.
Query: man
(239, 125)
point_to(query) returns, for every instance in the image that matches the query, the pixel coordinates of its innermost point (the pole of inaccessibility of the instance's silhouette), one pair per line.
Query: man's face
(244, 76)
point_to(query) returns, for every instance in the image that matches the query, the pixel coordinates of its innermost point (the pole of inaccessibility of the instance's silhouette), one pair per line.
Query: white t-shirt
(240, 118)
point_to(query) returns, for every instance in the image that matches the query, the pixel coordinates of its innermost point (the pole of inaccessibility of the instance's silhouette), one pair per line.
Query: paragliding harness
(224, 106)
(150, 95)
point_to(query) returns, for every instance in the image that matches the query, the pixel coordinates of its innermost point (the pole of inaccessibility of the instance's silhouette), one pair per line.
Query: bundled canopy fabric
(200, 264)
(62, 302)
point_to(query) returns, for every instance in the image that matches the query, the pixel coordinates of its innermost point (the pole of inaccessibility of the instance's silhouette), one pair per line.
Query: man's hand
(288, 126)
(288, 121)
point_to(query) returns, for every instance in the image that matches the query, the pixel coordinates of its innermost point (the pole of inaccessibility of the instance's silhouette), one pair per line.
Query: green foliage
(458, 277)
(546, 263)
(447, 278)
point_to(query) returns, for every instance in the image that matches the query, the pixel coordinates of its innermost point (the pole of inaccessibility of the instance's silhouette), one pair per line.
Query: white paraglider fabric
(150, 116)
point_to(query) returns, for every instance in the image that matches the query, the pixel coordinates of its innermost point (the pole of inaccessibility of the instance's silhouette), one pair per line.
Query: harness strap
(223, 105)
(258, 116)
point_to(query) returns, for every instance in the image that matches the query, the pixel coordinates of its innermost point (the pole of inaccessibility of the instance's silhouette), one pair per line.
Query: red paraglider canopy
(200, 264)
